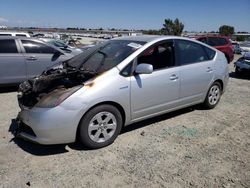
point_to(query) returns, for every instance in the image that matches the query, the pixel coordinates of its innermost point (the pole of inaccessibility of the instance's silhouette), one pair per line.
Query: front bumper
(48, 125)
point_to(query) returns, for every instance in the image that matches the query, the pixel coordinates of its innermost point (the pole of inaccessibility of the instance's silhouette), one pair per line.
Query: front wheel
(213, 96)
(100, 126)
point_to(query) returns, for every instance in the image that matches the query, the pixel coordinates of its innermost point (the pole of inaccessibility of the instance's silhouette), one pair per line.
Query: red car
(220, 43)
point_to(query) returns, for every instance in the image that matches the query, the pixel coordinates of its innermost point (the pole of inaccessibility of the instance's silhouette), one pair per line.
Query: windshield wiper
(103, 53)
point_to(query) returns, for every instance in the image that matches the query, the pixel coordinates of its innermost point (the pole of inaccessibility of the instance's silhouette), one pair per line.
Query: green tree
(241, 38)
(171, 27)
(151, 32)
(226, 30)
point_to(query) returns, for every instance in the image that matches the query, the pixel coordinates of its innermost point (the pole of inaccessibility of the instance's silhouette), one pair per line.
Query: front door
(12, 63)
(159, 91)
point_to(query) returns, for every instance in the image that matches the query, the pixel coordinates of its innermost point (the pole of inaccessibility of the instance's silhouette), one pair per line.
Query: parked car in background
(242, 65)
(220, 43)
(24, 58)
(236, 47)
(14, 34)
(60, 44)
(114, 84)
(245, 46)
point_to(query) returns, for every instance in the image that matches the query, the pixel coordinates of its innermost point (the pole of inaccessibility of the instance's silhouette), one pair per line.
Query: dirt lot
(187, 148)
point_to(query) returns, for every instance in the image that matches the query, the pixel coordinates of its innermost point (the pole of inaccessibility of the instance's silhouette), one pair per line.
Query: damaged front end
(52, 87)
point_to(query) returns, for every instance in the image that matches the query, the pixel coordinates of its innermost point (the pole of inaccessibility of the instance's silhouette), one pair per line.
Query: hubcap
(102, 127)
(214, 95)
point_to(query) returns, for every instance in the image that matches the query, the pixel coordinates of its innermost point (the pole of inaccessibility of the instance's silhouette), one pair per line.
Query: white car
(14, 34)
(245, 46)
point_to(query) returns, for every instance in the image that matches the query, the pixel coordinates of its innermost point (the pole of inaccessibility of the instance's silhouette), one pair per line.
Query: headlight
(56, 97)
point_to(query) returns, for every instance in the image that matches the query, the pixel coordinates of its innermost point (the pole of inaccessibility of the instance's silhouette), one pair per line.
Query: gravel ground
(187, 148)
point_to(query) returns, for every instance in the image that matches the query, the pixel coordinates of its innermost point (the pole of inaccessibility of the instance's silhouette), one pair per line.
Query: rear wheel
(100, 126)
(213, 95)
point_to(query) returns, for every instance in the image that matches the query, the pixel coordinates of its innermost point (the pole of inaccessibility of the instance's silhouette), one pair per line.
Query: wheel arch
(221, 83)
(115, 104)
(227, 57)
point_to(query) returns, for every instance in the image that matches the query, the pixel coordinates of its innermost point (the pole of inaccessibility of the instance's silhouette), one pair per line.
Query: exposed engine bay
(60, 78)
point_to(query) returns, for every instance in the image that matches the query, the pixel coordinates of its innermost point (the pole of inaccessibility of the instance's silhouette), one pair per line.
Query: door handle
(173, 77)
(32, 58)
(209, 69)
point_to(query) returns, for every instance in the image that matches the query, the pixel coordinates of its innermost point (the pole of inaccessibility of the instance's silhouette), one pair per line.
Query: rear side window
(189, 52)
(36, 47)
(8, 46)
(210, 53)
(216, 41)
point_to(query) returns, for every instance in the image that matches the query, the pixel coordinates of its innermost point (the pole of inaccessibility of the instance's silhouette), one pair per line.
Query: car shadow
(242, 77)
(156, 119)
(43, 150)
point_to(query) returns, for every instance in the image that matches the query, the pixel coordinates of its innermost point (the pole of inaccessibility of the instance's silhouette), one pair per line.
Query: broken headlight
(56, 97)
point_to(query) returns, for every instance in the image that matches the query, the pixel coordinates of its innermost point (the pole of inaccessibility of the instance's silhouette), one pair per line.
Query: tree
(171, 27)
(151, 32)
(241, 38)
(226, 30)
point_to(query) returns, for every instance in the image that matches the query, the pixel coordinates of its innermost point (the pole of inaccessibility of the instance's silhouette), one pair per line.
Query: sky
(197, 15)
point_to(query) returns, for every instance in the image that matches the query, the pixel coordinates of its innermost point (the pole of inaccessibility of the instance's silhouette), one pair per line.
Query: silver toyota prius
(116, 83)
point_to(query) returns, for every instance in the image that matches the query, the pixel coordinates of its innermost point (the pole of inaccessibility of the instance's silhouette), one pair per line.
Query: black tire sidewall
(83, 126)
(206, 102)
(237, 71)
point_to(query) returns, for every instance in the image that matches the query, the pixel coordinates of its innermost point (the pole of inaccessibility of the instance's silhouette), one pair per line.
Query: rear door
(12, 63)
(196, 70)
(38, 56)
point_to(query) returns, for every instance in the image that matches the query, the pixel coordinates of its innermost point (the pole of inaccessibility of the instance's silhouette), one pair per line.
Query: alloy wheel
(214, 95)
(102, 127)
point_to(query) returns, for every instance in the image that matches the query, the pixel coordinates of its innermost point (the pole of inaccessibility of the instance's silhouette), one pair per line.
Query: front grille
(26, 129)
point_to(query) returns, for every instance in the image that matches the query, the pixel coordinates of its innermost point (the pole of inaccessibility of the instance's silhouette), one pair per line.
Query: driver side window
(160, 55)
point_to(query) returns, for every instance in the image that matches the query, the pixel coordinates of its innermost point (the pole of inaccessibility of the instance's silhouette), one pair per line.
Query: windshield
(105, 56)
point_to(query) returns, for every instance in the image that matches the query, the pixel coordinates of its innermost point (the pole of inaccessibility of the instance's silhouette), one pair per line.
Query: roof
(13, 32)
(150, 38)
(210, 36)
(16, 37)
(142, 38)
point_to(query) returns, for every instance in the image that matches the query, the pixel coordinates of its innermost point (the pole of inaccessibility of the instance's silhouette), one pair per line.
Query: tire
(213, 96)
(100, 126)
(237, 72)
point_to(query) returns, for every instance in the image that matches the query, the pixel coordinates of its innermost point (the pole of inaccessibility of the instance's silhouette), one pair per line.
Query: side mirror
(144, 69)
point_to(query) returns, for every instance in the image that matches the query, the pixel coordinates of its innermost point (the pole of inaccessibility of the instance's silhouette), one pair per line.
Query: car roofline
(33, 39)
